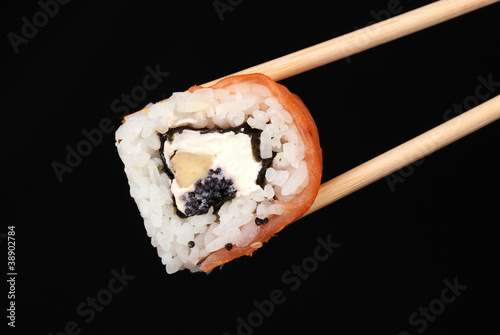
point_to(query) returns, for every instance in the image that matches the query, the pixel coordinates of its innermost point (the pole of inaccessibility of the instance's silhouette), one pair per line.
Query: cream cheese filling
(191, 154)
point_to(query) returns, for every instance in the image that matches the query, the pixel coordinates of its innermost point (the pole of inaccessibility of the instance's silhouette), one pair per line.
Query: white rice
(138, 146)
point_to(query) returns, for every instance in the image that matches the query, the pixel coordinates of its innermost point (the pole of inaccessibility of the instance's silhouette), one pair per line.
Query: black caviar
(191, 244)
(263, 221)
(228, 246)
(214, 190)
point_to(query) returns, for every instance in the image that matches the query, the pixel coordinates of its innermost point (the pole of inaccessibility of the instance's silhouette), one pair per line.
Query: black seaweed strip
(246, 129)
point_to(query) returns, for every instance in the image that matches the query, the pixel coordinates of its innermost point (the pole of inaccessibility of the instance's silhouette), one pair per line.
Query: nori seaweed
(246, 129)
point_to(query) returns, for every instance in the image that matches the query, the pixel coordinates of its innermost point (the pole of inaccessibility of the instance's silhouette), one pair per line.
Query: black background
(397, 245)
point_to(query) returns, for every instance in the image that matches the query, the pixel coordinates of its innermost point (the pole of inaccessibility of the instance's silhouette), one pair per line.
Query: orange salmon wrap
(299, 204)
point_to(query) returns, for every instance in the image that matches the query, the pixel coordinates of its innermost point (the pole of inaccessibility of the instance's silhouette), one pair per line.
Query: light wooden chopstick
(360, 40)
(407, 153)
(363, 39)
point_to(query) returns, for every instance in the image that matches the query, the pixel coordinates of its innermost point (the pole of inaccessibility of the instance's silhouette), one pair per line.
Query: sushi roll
(217, 171)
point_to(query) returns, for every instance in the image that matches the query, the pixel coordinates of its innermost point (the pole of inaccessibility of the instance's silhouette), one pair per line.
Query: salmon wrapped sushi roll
(217, 171)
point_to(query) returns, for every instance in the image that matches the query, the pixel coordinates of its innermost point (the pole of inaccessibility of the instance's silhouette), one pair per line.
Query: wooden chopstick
(407, 153)
(360, 40)
(363, 39)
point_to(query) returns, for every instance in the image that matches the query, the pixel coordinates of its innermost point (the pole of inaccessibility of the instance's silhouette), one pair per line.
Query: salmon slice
(300, 203)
